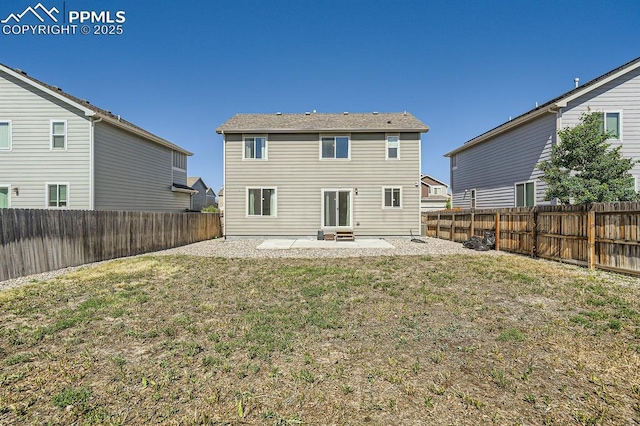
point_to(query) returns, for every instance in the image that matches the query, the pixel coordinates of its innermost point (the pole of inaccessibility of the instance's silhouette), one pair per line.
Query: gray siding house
(205, 196)
(296, 174)
(498, 168)
(59, 151)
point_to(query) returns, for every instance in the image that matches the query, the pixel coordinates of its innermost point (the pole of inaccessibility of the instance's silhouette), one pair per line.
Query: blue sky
(181, 68)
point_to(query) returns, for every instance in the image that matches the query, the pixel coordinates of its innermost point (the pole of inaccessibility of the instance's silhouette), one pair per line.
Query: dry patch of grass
(389, 340)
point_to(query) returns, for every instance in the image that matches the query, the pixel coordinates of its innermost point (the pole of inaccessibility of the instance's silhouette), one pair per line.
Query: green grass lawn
(382, 341)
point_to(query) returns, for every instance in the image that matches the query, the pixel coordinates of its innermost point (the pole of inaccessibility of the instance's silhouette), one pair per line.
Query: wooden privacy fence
(599, 235)
(33, 241)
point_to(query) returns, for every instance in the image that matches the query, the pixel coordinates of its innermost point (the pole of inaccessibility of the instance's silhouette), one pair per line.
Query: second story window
(179, 160)
(454, 161)
(255, 148)
(335, 147)
(58, 134)
(610, 122)
(393, 147)
(5, 136)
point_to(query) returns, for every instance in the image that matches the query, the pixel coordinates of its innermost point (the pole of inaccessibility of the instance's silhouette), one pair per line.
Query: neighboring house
(221, 199)
(296, 174)
(434, 194)
(205, 196)
(58, 151)
(498, 168)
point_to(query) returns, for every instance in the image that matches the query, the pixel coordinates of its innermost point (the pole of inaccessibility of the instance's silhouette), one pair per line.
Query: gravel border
(247, 249)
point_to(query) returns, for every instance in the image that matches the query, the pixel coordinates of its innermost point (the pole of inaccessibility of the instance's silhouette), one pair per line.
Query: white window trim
(515, 192)
(348, 136)
(336, 228)
(386, 146)
(10, 147)
(604, 118)
(454, 159)
(260, 216)
(385, 207)
(473, 198)
(266, 147)
(2, 185)
(46, 195)
(66, 135)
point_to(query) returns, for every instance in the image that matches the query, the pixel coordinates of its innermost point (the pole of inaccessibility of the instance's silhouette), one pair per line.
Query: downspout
(92, 163)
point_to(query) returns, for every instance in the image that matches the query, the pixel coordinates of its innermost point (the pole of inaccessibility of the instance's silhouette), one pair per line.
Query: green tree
(585, 168)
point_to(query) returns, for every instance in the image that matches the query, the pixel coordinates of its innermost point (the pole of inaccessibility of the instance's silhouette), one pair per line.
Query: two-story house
(296, 174)
(205, 197)
(498, 168)
(435, 194)
(59, 151)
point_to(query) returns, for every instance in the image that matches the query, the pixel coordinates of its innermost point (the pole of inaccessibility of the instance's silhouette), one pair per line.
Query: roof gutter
(504, 128)
(144, 135)
(331, 130)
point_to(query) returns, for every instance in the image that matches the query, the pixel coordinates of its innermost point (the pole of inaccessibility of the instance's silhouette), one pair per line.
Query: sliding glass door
(336, 208)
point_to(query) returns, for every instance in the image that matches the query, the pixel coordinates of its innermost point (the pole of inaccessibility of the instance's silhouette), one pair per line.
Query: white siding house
(498, 168)
(58, 151)
(297, 174)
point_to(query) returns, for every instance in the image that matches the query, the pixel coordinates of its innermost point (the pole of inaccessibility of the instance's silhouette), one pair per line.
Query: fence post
(453, 227)
(472, 227)
(497, 231)
(438, 227)
(534, 232)
(591, 238)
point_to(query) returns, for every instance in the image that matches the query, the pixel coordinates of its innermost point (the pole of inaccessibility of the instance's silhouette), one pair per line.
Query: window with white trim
(473, 198)
(58, 134)
(526, 194)
(179, 160)
(57, 195)
(335, 146)
(261, 201)
(255, 148)
(392, 198)
(393, 147)
(610, 122)
(5, 135)
(5, 197)
(436, 190)
(454, 161)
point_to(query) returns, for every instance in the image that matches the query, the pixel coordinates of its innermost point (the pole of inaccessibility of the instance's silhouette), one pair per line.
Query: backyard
(385, 340)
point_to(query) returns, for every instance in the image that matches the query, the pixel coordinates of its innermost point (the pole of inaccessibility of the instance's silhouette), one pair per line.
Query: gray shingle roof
(313, 122)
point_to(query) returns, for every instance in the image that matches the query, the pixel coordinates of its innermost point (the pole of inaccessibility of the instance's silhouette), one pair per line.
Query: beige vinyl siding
(31, 163)
(492, 168)
(294, 167)
(132, 173)
(619, 95)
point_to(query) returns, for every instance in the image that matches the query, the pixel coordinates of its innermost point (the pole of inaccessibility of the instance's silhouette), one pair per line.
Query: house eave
(559, 102)
(143, 134)
(355, 130)
(87, 112)
(503, 128)
(184, 190)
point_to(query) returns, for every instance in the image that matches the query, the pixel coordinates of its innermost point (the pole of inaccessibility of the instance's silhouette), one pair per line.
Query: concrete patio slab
(276, 244)
(321, 244)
